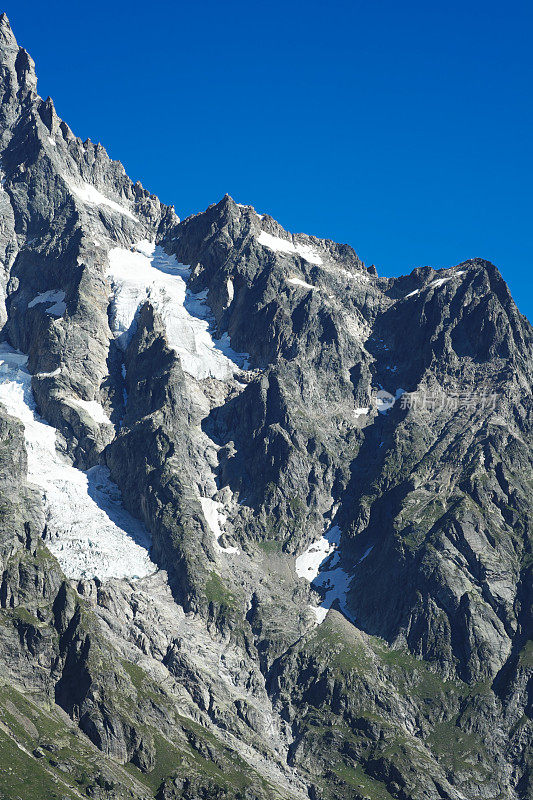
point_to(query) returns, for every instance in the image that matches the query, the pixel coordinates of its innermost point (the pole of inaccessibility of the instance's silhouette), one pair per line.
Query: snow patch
(89, 194)
(216, 521)
(284, 246)
(147, 273)
(54, 297)
(308, 563)
(230, 290)
(320, 566)
(52, 374)
(93, 408)
(439, 282)
(300, 282)
(91, 534)
(361, 412)
(51, 141)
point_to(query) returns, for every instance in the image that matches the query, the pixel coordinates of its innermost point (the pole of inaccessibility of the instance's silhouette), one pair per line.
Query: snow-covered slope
(283, 246)
(146, 272)
(90, 533)
(319, 565)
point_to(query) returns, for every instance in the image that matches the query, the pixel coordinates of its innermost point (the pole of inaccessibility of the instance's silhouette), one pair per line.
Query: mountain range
(265, 516)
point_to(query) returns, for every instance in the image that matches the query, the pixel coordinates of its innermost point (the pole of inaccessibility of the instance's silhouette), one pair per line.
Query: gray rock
(209, 678)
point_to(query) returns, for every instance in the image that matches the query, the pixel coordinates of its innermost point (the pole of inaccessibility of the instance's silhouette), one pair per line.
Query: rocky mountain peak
(7, 37)
(18, 66)
(265, 519)
(48, 115)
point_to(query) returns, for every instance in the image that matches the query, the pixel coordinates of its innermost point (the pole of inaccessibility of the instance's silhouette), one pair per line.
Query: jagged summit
(265, 516)
(7, 37)
(16, 62)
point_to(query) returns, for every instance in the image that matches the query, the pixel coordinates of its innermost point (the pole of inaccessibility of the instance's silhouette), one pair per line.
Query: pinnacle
(227, 201)
(7, 37)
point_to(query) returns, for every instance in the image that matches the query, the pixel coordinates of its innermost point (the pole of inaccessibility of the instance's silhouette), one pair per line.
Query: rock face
(333, 469)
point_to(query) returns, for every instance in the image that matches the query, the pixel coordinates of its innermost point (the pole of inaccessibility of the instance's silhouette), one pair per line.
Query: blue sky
(403, 128)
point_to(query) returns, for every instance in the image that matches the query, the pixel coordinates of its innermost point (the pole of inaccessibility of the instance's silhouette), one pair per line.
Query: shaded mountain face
(265, 524)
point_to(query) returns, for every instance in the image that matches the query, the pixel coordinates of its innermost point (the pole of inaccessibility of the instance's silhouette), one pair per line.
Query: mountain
(265, 523)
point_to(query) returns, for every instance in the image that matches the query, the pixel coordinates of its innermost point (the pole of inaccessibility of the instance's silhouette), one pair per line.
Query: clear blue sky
(403, 128)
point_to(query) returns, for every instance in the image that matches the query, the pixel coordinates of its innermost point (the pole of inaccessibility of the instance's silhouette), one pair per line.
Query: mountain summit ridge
(318, 481)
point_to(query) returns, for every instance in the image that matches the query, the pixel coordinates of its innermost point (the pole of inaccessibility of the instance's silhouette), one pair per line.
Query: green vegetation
(343, 653)
(458, 750)
(146, 688)
(356, 778)
(21, 614)
(216, 592)
(526, 655)
(329, 735)
(68, 763)
(22, 775)
(271, 546)
(297, 506)
(168, 759)
(136, 674)
(183, 759)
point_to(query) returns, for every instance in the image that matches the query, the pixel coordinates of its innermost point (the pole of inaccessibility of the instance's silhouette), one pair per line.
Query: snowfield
(216, 520)
(300, 282)
(283, 246)
(319, 565)
(90, 533)
(436, 283)
(92, 407)
(146, 272)
(90, 195)
(55, 301)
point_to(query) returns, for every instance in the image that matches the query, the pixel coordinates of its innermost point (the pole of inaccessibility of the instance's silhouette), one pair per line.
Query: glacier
(147, 273)
(88, 530)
